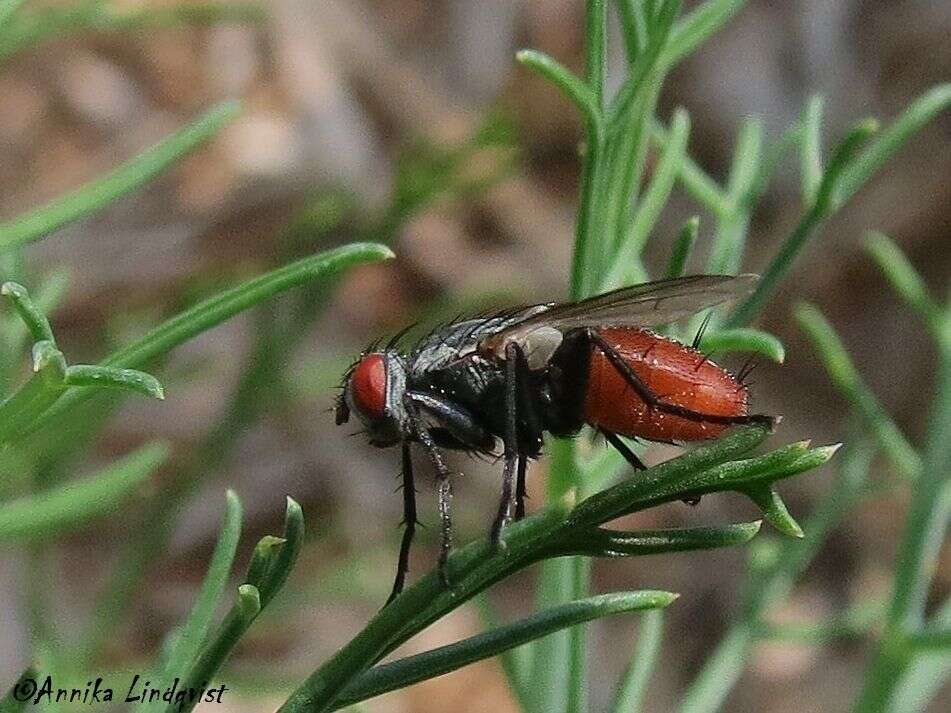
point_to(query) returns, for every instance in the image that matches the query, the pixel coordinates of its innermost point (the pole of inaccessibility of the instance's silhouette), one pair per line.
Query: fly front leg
(409, 522)
(443, 486)
(655, 402)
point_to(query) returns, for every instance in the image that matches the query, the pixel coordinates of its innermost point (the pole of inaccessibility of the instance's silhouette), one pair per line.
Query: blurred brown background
(333, 92)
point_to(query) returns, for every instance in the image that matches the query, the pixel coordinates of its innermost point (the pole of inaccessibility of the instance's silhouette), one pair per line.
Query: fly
(554, 368)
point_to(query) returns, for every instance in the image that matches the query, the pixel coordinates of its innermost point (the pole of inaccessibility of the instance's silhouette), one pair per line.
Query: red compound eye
(368, 386)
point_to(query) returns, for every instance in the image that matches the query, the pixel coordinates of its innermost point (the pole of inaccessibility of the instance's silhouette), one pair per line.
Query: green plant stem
(769, 584)
(478, 565)
(908, 123)
(922, 681)
(848, 171)
(251, 599)
(389, 677)
(125, 179)
(926, 524)
(633, 687)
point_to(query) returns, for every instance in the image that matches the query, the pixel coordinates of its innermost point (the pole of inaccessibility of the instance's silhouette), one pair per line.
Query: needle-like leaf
(123, 180)
(440, 661)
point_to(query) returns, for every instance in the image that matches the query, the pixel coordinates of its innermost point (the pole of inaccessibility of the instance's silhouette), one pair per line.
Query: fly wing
(645, 305)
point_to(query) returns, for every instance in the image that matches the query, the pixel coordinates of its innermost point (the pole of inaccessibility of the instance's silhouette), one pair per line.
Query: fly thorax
(539, 345)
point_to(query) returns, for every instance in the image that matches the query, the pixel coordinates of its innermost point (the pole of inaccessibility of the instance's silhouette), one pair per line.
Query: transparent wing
(645, 305)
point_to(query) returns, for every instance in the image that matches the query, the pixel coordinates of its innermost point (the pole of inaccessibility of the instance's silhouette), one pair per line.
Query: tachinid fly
(553, 367)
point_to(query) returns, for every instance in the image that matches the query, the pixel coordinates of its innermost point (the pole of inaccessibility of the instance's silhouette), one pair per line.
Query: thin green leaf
(123, 180)
(577, 92)
(7, 9)
(438, 662)
(286, 556)
(274, 565)
(49, 23)
(652, 202)
(515, 662)
(919, 113)
(20, 411)
(111, 377)
(929, 514)
(71, 505)
(771, 577)
(215, 310)
(931, 641)
(48, 296)
(846, 379)
(636, 492)
(697, 27)
(841, 158)
(744, 339)
(618, 114)
(633, 27)
(923, 681)
(595, 25)
(34, 319)
(633, 686)
(600, 542)
(906, 281)
(694, 179)
(774, 509)
(189, 641)
(834, 194)
(683, 246)
(708, 691)
(729, 241)
(263, 559)
(810, 150)
(245, 610)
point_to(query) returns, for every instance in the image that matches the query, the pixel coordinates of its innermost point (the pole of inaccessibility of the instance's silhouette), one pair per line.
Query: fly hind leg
(621, 447)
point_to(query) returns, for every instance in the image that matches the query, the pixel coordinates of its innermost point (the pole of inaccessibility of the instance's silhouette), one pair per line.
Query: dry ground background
(333, 92)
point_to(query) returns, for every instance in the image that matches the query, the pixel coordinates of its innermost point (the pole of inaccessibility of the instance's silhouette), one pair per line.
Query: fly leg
(510, 438)
(443, 486)
(517, 403)
(654, 402)
(520, 488)
(409, 522)
(621, 447)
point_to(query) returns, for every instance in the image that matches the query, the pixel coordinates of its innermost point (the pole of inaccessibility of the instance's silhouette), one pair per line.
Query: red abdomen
(675, 373)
